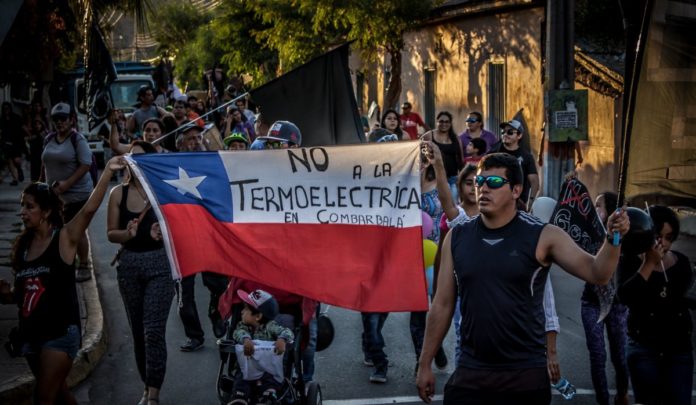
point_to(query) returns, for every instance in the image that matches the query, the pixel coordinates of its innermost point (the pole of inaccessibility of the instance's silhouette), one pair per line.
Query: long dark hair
(46, 199)
(453, 138)
(399, 131)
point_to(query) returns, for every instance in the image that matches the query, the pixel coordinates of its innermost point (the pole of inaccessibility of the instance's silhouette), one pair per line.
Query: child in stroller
(295, 313)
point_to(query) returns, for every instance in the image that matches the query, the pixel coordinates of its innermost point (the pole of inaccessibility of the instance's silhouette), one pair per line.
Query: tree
(175, 24)
(264, 34)
(375, 26)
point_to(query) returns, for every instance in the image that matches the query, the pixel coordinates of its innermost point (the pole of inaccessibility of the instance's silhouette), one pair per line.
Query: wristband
(613, 239)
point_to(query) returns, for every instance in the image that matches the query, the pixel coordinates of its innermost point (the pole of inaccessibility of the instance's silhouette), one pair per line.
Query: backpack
(93, 169)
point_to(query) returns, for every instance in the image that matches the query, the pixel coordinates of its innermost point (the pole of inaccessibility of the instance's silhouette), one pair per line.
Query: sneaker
(82, 274)
(368, 361)
(191, 345)
(380, 375)
(441, 359)
(13, 183)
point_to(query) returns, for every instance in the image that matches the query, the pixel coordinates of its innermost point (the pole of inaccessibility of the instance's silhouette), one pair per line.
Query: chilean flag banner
(340, 225)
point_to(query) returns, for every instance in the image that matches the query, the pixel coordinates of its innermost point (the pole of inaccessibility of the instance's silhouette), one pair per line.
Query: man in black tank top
(497, 264)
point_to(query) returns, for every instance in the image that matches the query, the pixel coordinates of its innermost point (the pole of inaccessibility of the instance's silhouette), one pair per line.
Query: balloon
(543, 207)
(429, 251)
(429, 274)
(427, 224)
(641, 234)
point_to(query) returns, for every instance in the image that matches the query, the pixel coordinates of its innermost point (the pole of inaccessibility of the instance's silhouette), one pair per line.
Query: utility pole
(560, 75)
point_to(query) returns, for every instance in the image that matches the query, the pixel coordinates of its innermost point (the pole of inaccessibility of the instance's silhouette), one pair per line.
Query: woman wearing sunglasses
(447, 141)
(43, 263)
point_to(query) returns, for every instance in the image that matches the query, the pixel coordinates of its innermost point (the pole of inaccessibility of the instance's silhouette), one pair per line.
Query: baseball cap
(60, 109)
(187, 125)
(513, 123)
(235, 137)
(284, 131)
(262, 301)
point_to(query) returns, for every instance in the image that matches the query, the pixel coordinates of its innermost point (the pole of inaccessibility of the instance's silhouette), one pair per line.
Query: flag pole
(631, 102)
(193, 123)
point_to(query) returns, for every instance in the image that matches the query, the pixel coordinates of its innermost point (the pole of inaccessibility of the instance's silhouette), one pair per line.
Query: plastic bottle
(566, 389)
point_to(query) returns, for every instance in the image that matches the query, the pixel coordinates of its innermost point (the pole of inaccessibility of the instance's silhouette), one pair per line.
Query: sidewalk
(16, 380)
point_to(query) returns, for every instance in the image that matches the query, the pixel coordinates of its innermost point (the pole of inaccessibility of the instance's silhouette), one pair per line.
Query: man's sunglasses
(492, 182)
(59, 118)
(510, 132)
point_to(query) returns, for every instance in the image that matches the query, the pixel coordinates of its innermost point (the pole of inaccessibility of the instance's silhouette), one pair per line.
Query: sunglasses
(493, 182)
(472, 120)
(510, 132)
(59, 118)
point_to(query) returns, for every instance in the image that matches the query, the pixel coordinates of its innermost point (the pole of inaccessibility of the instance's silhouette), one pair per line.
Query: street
(191, 377)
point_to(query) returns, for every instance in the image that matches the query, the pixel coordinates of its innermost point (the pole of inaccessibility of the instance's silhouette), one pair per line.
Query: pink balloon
(427, 224)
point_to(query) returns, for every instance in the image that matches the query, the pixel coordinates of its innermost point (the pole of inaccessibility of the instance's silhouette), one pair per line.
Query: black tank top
(46, 295)
(449, 157)
(142, 242)
(501, 286)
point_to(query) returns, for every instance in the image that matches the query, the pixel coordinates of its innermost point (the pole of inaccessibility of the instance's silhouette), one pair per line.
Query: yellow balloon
(429, 251)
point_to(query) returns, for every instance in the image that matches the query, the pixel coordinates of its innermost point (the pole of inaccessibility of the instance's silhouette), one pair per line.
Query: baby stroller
(293, 390)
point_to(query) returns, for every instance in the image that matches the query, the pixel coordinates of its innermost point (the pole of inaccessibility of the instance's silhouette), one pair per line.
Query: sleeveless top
(142, 242)
(449, 157)
(46, 295)
(501, 286)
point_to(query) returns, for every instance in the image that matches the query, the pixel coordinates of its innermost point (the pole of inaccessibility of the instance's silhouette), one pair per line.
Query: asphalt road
(343, 378)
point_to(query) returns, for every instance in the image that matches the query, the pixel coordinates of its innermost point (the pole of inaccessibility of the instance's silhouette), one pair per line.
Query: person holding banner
(143, 274)
(43, 262)
(654, 286)
(501, 292)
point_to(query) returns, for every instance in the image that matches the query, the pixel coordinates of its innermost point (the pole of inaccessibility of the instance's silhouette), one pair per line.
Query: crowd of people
(477, 187)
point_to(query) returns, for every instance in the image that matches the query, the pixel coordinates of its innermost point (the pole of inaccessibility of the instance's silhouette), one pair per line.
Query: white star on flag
(185, 184)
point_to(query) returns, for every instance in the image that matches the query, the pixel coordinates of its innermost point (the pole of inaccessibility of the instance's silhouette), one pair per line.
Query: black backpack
(93, 169)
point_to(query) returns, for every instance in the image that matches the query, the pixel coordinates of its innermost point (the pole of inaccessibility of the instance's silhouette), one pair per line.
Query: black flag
(317, 97)
(100, 72)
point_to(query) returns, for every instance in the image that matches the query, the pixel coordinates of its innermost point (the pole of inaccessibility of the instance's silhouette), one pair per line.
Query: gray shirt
(60, 161)
(140, 116)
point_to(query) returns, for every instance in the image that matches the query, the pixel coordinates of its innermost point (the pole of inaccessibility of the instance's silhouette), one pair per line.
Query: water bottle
(566, 389)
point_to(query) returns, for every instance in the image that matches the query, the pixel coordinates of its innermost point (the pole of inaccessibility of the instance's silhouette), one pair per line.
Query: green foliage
(174, 24)
(198, 55)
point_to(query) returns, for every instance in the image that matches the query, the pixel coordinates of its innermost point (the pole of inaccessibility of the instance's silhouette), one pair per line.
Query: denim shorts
(68, 343)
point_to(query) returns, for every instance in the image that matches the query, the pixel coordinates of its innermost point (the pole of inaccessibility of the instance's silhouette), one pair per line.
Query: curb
(19, 391)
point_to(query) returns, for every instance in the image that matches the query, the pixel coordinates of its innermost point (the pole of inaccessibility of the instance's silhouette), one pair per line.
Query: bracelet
(610, 238)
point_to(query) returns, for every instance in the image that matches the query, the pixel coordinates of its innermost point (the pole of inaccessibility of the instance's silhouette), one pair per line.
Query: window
(429, 75)
(495, 113)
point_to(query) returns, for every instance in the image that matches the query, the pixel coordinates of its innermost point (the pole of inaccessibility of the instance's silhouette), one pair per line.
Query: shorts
(71, 209)
(68, 343)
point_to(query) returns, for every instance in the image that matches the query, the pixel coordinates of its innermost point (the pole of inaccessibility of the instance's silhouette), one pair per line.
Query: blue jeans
(372, 339)
(658, 377)
(68, 343)
(615, 323)
(308, 354)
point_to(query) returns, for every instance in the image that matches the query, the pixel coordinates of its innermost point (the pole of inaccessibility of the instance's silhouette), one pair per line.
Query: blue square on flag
(194, 178)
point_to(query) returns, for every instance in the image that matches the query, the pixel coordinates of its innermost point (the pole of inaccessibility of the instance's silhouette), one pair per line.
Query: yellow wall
(460, 51)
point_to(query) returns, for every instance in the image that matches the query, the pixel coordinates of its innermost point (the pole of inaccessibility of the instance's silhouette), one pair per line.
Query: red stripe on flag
(367, 268)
